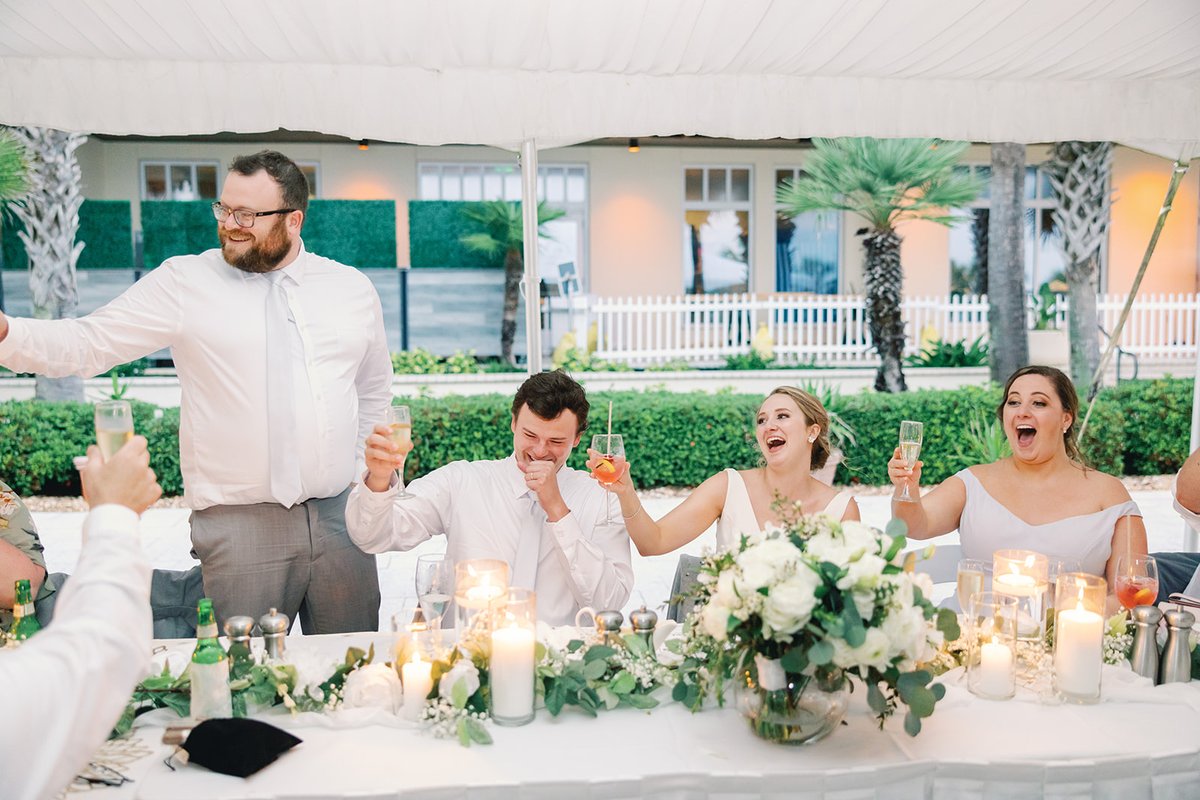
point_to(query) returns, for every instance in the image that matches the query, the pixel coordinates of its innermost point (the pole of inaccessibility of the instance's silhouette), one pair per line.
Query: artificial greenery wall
(435, 228)
(104, 225)
(671, 439)
(361, 233)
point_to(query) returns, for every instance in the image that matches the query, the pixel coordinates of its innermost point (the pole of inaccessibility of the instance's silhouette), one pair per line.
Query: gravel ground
(1135, 483)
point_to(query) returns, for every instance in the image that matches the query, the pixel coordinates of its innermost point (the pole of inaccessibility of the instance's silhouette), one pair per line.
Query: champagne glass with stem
(435, 586)
(970, 579)
(910, 450)
(609, 446)
(114, 426)
(399, 422)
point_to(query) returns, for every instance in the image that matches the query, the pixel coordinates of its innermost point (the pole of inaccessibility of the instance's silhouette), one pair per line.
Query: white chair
(942, 566)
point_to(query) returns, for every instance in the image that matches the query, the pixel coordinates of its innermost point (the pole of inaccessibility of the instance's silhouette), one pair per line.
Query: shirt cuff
(11, 344)
(372, 499)
(110, 519)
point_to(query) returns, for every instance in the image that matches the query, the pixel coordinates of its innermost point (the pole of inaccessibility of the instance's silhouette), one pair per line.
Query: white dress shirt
(65, 687)
(211, 315)
(485, 510)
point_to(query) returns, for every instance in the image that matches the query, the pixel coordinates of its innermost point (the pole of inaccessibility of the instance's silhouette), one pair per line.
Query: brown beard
(261, 256)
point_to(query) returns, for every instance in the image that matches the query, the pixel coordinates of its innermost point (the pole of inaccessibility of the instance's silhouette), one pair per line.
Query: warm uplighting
(633, 145)
(364, 145)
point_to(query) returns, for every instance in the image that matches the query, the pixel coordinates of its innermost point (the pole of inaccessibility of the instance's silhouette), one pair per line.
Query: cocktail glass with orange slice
(1137, 580)
(610, 446)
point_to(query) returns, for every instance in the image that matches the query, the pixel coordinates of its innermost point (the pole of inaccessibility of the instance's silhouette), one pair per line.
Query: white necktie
(281, 414)
(524, 573)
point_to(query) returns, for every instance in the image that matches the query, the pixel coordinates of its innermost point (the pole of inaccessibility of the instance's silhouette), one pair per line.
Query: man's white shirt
(485, 510)
(65, 687)
(211, 315)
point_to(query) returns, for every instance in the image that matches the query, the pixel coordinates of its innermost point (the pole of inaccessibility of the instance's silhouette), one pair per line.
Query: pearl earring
(812, 439)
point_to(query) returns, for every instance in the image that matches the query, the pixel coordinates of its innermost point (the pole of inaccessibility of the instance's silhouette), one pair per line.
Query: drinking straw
(608, 438)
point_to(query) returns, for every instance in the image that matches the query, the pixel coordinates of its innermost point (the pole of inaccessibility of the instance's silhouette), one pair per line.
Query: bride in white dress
(792, 429)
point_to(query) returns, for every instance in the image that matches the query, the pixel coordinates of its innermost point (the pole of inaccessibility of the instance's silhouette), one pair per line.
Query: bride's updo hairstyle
(814, 414)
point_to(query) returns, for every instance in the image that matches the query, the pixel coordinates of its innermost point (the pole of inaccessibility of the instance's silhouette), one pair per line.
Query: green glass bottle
(209, 669)
(25, 622)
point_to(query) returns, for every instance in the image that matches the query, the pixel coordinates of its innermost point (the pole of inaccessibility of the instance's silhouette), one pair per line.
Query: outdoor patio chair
(686, 579)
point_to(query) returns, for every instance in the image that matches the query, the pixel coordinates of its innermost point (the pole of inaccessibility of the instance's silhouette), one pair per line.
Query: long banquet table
(1141, 742)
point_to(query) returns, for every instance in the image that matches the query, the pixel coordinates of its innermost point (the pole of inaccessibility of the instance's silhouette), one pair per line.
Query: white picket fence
(832, 329)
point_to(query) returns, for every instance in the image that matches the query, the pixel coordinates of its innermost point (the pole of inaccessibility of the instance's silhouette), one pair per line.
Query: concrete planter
(1051, 348)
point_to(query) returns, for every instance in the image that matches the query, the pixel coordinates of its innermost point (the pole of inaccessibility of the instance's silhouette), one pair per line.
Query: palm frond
(886, 181)
(13, 168)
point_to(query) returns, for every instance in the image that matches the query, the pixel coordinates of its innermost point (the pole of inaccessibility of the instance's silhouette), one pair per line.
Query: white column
(533, 299)
(1191, 539)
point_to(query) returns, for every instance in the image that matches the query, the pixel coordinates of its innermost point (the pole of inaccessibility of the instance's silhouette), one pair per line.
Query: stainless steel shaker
(1144, 656)
(1177, 654)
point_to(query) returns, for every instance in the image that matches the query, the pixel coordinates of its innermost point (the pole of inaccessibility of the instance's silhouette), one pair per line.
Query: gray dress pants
(299, 560)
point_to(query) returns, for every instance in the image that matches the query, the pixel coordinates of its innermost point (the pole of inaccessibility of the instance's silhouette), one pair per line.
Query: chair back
(942, 566)
(683, 588)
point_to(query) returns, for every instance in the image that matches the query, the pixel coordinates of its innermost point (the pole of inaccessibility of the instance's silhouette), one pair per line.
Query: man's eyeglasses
(242, 216)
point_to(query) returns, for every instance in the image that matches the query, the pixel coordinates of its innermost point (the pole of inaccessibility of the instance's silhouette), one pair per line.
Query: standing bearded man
(283, 367)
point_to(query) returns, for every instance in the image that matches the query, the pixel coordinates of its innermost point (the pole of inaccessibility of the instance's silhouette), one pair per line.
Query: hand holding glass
(910, 450)
(609, 446)
(114, 426)
(399, 422)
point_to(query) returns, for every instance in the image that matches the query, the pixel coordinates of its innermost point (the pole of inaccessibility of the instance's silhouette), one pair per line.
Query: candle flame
(1016, 569)
(1029, 559)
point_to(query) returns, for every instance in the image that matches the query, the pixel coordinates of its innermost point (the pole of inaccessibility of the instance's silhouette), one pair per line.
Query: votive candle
(511, 668)
(995, 669)
(417, 677)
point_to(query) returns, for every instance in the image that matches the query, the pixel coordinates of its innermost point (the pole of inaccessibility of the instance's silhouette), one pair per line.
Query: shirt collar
(514, 476)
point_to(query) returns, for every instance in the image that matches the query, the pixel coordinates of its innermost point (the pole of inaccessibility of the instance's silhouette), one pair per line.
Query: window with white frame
(179, 180)
(807, 246)
(560, 186)
(716, 229)
(312, 173)
(1044, 259)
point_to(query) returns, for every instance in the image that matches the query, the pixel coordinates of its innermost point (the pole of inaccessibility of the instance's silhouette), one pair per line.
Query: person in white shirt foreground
(545, 519)
(1180, 572)
(65, 687)
(283, 368)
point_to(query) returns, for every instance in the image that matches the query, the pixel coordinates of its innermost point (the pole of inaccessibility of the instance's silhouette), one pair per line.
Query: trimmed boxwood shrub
(672, 439)
(434, 230)
(360, 233)
(104, 225)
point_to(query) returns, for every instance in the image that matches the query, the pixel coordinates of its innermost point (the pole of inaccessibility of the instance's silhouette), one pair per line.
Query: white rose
(762, 564)
(873, 652)
(715, 618)
(463, 670)
(864, 573)
(788, 605)
(373, 686)
(907, 632)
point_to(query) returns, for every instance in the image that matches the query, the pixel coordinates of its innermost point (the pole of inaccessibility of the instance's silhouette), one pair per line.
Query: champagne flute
(399, 421)
(114, 426)
(1137, 580)
(969, 580)
(434, 583)
(609, 446)
(910, 450)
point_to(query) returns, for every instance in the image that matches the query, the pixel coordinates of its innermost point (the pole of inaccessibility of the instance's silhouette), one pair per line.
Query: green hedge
(672, 439)
(361, 233)
(104, 225)
(434, 230)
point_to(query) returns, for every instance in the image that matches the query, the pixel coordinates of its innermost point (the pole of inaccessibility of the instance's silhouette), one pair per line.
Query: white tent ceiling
(565, 71)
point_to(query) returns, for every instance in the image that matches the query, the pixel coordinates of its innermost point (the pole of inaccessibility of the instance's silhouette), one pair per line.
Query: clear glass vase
(803, 711)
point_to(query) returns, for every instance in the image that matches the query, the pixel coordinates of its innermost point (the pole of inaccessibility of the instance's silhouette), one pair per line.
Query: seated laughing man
(545, 519)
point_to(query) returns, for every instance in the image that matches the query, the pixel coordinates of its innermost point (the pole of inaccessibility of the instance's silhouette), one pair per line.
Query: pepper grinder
(644, 621)
(1176, 657)
(238, 630)
(608, 625)
(1144, 656)
(274, 628)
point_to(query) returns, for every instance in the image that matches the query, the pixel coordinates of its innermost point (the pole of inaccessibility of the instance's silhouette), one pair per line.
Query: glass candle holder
(1024, 575)
(512, 662)
(991, 655)
(476, 584)
(1079, 636)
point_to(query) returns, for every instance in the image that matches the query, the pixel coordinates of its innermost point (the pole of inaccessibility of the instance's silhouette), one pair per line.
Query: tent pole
(1191, 539)
(529, 219)
(1177, 172)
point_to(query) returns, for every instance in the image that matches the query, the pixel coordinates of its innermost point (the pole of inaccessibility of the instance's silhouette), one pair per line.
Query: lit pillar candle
(511, 672)
(1078, 651)
(417, 677)
(995, 669)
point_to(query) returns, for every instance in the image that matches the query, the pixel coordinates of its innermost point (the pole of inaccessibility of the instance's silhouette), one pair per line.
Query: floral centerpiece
(794, 611)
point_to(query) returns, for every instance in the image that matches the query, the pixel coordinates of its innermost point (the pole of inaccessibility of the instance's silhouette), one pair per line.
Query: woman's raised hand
(612, 474)
(900, 473)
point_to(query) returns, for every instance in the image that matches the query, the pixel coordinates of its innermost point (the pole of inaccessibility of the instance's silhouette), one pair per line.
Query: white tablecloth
(1142, 743)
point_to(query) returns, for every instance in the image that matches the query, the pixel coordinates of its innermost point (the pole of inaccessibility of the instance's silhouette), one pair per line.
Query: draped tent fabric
(566, 71)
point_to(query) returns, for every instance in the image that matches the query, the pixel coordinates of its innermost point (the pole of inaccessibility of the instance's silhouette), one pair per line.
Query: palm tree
(13, 182)
(504, 233)
(1006, 262)
(1079, 174)
(50, 214)
(885, 181)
